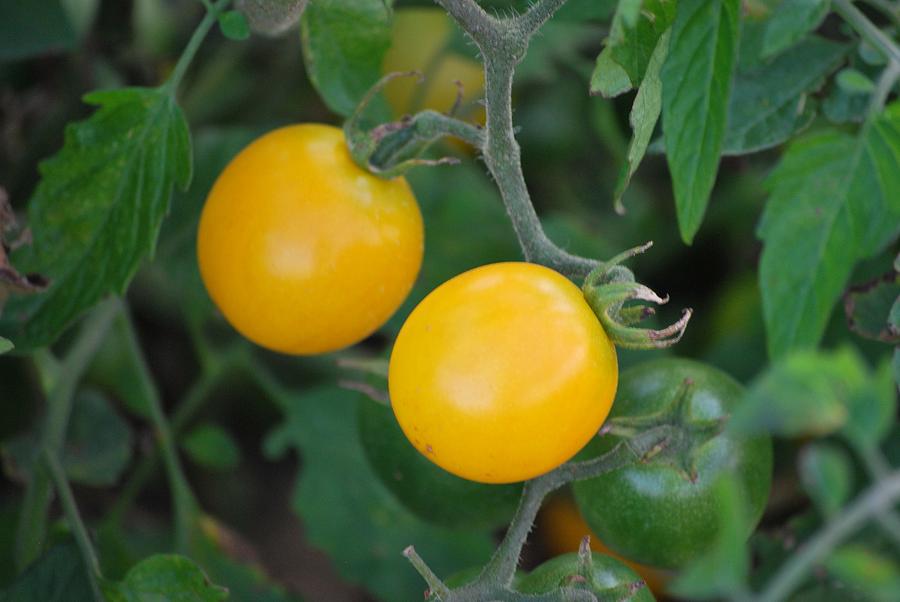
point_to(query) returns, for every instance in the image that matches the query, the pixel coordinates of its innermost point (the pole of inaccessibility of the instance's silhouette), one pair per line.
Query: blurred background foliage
(292, 509)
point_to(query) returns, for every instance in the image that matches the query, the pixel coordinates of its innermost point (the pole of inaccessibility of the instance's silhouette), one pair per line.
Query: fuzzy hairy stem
(503, 44)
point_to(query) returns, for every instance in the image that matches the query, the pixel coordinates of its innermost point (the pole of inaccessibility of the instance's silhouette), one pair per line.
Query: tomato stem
(89, 555)
(31, 531)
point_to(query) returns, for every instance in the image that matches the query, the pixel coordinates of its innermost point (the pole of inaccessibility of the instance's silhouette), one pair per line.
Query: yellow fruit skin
(303, 251)
(502, 373)
(419, 43)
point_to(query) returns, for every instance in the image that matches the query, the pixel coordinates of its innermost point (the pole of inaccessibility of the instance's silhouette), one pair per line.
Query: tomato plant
(473, 380)
(660, 512)
(303, 251)
(426, 489)
(605, 577)
(213, 226)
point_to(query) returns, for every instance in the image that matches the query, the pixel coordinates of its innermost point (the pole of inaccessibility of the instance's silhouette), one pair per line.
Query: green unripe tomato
(424, 488)
(608, 579)
(662, 512)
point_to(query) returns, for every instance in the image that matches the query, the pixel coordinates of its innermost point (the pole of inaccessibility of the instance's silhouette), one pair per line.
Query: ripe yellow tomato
(303, 251)
(502, 373)
(420, 41)
(561, 528)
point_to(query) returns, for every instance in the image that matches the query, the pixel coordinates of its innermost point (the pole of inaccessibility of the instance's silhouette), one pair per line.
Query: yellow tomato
(420, 42)
(303, 251)
(502, 373)
(561, 528)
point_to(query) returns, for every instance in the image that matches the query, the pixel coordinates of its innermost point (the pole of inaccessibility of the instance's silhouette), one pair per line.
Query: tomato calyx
(608, 287)
(391, 149)
(680, 433)
(586, 576)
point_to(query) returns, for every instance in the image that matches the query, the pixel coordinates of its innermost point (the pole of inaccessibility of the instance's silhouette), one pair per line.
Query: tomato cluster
(499, 375)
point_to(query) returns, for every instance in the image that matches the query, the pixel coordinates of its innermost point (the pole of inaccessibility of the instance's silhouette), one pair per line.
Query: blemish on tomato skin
(429, 449)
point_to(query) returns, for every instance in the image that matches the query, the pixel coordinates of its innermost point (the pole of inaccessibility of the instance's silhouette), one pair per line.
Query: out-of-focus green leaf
(234, 25)
(841, 106)
(871, 307)
(57, 576)
(97, 448)
(769, 100)
(723, 569)
(164, 577)
(854, 81)
(32, 28)
(696, 81)
(559, 43)
(96, 212)
(98, 442)
(349, 513)
(609, 78)
(896, 366)
(272, 17)
(5, 346)
(644, 115)
(790, 21)
(804, 393)
(820, 393)
(81, 13)
(872, 409)
(344, 42)
(113, 369)
(835, 198)
(826, 474)
(210, 446)
(874, 575)
(634, 35)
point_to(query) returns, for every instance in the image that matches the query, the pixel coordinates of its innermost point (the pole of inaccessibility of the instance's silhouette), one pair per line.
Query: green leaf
(872, 309)
(895, 366)
(826, 474)
(210, 446)
(234, 25)
(791, 21)
(97, 448)
(609, 78)
(644, 115)
(164, 577)
(835, 198)
(33, 28)
(842, 107)
(114, 369)
(5, 346)
(349, 514)
(769, 101)
(635, 32)
(854, 82)
(723, 569)
(57, 576)
(272, 17)
(872, 409)
(696, 81)
(97, 210)
(98, 442)
(874, 575)
(344, 42)
(804, 393)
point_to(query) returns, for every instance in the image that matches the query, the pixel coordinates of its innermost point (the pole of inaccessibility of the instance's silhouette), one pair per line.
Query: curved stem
(874, 501)
(32, 526)
(187, 55)
(871, 34)
(503, 43)
(182, 497)
(75, 523)
(502, 566)
(878, 468)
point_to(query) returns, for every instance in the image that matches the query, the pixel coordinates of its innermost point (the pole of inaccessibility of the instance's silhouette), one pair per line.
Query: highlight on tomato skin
(303, 251)
(475, 378)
